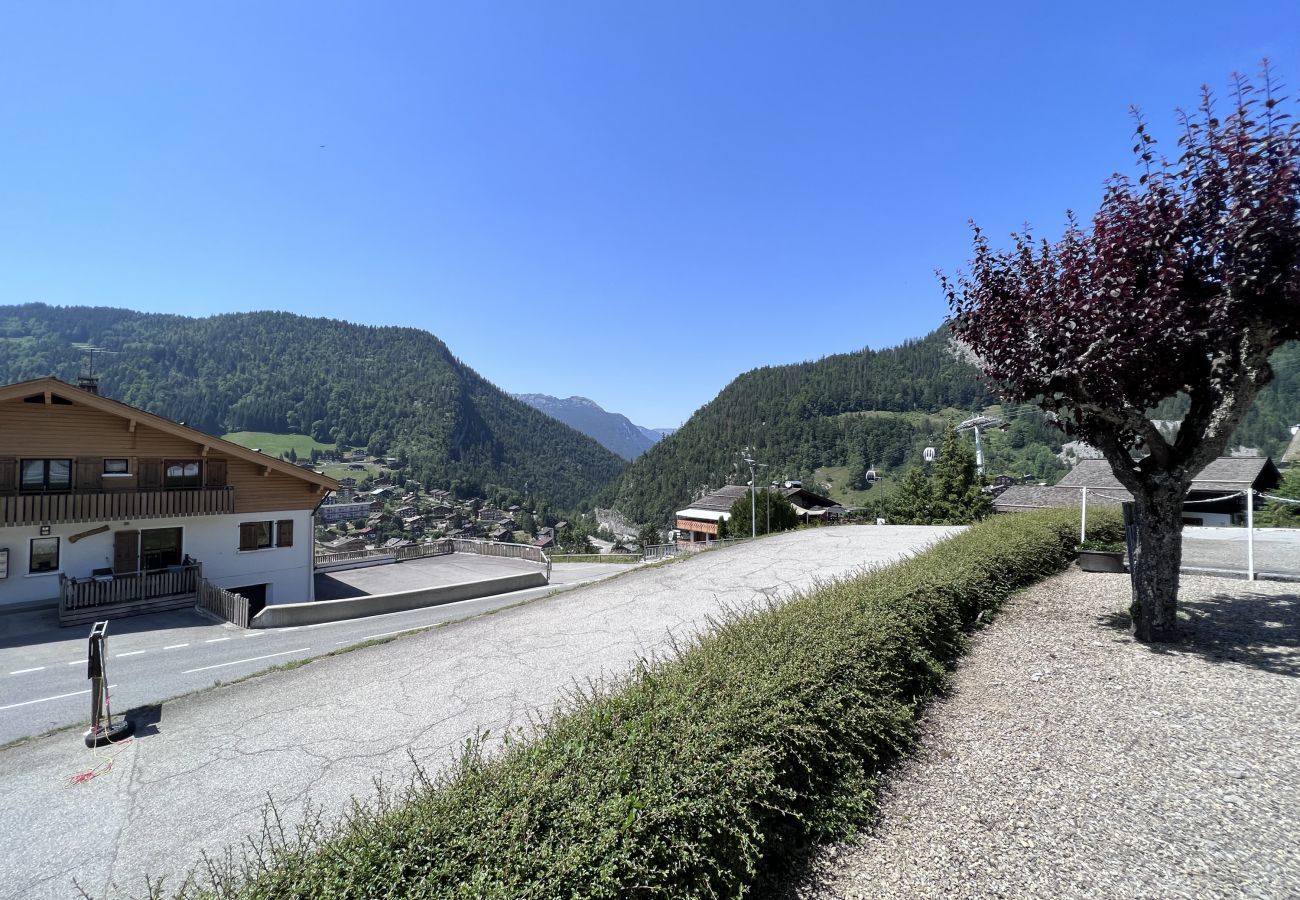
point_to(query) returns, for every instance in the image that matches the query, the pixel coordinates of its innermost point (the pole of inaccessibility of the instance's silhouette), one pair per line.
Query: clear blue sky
(633, 202)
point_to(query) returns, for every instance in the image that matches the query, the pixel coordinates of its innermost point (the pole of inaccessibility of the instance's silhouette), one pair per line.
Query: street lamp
(753, 464)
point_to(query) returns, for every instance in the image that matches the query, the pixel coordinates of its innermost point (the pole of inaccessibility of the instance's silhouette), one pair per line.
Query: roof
(1224, 475)
(721, 500)
(1040, 496)
(80, 397)
(1291, 455)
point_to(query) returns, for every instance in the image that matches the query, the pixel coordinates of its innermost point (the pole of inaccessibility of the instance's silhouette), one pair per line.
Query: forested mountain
(613, 431)
(873, 408)
(397, 391)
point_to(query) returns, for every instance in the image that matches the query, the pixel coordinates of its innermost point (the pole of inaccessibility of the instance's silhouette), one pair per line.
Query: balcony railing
(77, 506)
(106, 594)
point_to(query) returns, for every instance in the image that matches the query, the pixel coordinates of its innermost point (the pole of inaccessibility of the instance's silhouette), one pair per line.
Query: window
(255, 535)
(115, 467)
(160, 548)
(39, 475)
(45, 555)
(263, 535)
(181, 473)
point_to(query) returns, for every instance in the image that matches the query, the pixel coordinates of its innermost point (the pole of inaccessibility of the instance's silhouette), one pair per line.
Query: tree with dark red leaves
(1186, 282)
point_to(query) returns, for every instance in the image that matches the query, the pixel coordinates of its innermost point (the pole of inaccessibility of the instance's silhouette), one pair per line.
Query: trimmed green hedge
(701, 773)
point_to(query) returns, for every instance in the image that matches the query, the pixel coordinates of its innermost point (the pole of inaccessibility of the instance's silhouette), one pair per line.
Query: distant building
(329, 513)
(1216, 496)
(699, 522)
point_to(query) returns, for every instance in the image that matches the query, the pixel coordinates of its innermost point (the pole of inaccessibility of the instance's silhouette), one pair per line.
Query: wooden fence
(109, 595)
(221, 602)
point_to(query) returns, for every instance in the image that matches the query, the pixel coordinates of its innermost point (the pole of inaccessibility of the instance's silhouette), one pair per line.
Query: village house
(1216, 496)
(699, 522)
(110, 509)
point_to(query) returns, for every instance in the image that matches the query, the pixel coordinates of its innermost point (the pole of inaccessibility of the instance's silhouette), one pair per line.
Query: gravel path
(1070, 761)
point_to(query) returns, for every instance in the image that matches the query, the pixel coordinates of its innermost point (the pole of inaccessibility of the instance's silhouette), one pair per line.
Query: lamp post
(753, 464)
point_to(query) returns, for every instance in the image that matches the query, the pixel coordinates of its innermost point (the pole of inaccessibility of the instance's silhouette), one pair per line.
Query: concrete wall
(212, 540)
(283, 615)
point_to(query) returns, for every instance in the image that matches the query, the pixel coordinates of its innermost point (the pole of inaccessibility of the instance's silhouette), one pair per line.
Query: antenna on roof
(87, 380)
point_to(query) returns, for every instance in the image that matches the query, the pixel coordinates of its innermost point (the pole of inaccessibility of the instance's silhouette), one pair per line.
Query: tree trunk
(1157, 557)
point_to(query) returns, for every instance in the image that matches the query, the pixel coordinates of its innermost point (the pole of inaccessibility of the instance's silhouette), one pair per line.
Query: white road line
(45, 699)
(255, 634)
(25, 671)
(128, 653)
(216, 640)
(238, 661)
(75, 662)
(176, 646)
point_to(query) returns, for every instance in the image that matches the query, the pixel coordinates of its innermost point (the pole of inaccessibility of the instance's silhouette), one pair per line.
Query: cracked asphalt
(198, 778)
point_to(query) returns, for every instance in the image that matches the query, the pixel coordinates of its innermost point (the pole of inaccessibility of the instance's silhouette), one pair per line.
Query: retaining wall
(280, 615)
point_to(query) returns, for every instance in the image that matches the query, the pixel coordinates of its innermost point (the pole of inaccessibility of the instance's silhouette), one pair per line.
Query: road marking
(45, 699)
(216, 640)
(25, 671)
(255, 634)
(128, 653)
(176, 646)
(238, 661)
(76, 662)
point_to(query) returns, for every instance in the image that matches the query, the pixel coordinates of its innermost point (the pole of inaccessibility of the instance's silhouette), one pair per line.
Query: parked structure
(109, 507)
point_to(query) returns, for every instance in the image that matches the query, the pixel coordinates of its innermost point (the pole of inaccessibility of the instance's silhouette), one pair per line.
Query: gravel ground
(1071, 761)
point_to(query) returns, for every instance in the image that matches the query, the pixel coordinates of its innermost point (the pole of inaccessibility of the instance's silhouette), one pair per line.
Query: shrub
(701, 772)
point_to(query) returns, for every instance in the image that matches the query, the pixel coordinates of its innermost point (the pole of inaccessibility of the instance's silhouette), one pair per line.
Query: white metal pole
(753, 503)
(1250, 534)
(1083, 516)
(979, 452)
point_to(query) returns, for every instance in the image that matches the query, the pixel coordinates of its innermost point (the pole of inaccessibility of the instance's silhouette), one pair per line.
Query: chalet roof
(79, 397)
(1224, 475)
(721, 500)
(1040, 496)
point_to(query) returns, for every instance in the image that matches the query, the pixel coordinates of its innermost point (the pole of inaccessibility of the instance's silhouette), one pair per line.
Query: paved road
(152, 658)
(197, 779)
(1223, 550)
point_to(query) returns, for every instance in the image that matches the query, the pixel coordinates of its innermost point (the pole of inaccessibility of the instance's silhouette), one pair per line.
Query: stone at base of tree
(1101, 561)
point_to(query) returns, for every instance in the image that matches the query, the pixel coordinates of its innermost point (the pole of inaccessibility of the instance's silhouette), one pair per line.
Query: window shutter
(89, 470)
(248, 536)
(8, 475)
(284, 533)
(150, 474)
(215, 473)
(126, 552)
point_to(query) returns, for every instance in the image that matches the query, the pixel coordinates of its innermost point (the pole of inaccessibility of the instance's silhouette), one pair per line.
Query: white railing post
(1083, 516)
(1250, 534)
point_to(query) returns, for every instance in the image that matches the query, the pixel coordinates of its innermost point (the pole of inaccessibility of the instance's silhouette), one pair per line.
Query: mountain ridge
(614, 431)
(392, 390)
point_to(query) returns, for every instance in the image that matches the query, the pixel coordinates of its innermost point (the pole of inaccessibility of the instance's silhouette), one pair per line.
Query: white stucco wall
(211, 540)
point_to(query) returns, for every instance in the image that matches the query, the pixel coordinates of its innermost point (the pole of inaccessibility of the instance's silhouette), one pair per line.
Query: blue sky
(631, 201)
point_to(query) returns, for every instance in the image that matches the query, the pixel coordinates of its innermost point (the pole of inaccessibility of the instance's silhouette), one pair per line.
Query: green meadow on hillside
(275, 444)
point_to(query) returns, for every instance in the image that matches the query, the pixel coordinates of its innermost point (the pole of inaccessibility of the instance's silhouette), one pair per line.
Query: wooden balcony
(82, 506)
(84, 600)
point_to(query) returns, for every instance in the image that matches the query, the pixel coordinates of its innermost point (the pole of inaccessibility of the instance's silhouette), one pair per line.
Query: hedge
(698, 775)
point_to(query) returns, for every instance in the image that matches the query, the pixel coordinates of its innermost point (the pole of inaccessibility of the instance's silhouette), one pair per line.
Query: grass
(700, 774)
(276, 444)
(341, 470)
(837, 478)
